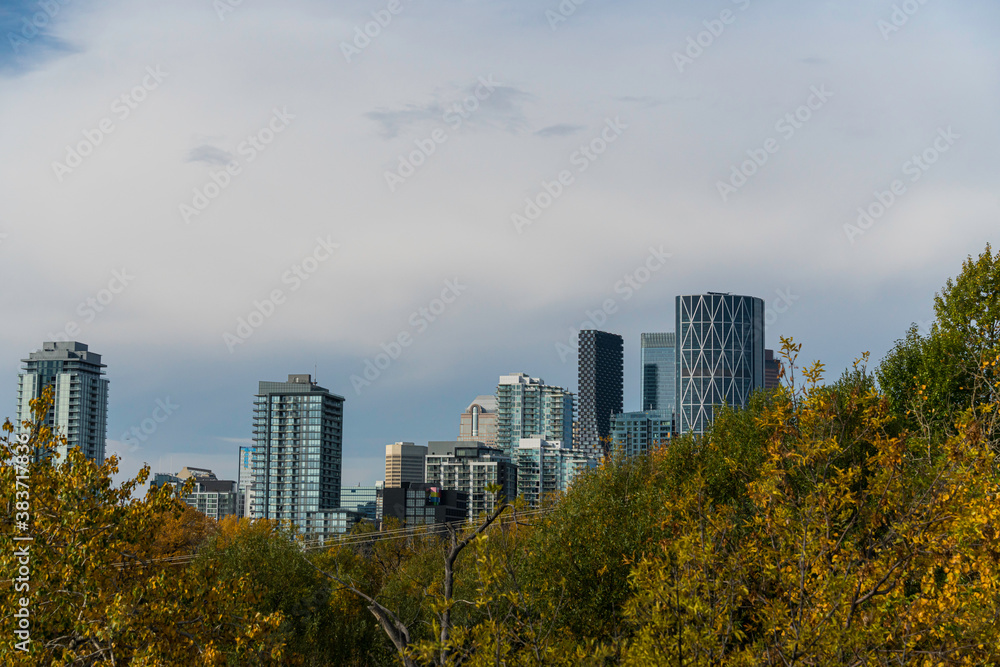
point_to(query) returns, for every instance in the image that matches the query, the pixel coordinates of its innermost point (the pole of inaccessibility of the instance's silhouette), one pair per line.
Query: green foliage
(969, 307)
(926, 380)
(96, 595)
(581, 553)
(857, 546)
(845, 523)
(931, 379)
(279, 580)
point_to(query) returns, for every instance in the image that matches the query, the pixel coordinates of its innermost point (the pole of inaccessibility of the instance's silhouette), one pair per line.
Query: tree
(95, 596)
(862, 545)
(442, 648)
(931, 379)
(280, 582)
(180, 531)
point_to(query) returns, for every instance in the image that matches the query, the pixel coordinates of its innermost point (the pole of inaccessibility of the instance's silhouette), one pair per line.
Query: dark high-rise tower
(772, 371)
(600, 383)
(720, 355)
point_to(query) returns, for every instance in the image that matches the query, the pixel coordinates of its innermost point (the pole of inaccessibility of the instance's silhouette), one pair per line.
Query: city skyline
(209, 211)
(239, 450)
(244, 467)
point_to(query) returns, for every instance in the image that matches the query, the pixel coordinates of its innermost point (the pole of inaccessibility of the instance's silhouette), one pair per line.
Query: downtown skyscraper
(479, 421)
(658, 364)
(298, 440)
(601, 374)
(720, 355)
(80, 408)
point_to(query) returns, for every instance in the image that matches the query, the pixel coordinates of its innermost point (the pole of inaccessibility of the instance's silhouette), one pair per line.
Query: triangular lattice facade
(720, 355)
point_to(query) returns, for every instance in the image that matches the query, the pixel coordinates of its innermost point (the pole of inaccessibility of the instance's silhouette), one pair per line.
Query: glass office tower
(659, 378)
(772, 370)
(297, 450)
(720, 355)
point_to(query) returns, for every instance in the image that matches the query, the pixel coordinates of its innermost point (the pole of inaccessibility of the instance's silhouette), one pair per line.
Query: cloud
(483, 104)
(559, 130)
(504, 109)
(323, 177)
(209, 155)
(395, 121)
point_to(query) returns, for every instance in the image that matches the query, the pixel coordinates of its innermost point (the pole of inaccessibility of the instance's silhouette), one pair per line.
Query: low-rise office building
(213, 497)
(322, 526)
(473, 468)
(363, 499)
(546, 467)
(404, 462)
(638, 433)
(421, 504)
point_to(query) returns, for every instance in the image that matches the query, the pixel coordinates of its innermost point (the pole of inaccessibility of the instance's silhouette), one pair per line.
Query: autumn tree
(862, 545)
(930, 379)
(96, 596)
(179, 531)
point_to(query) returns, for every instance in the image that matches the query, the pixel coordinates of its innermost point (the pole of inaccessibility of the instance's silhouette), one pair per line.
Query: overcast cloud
(206, 158)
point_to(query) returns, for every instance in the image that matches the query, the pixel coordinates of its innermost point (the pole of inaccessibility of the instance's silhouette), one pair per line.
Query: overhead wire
(351, 539)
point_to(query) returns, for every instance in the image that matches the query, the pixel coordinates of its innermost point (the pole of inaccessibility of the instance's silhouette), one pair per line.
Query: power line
(429, 530)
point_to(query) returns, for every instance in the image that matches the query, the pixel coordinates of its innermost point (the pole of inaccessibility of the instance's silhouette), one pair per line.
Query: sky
(211, 193)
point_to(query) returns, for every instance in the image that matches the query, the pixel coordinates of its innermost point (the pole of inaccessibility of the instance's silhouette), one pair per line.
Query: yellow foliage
(858, 546)
(99, 589)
